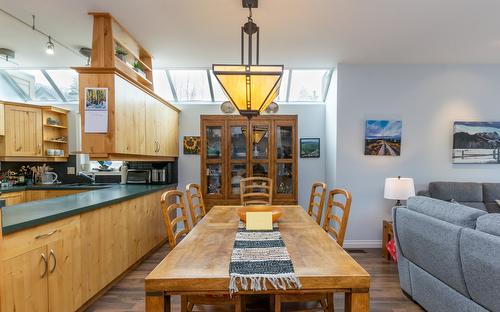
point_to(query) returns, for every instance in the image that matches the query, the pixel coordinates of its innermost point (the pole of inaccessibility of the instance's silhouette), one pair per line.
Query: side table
(387, 235)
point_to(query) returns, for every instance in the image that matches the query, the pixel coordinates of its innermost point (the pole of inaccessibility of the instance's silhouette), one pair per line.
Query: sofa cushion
(459, 191)
(489, 223)
(477, 205)
(480, 254)
(431, 244)
(491, 192)
(450, 212)
(492, 207)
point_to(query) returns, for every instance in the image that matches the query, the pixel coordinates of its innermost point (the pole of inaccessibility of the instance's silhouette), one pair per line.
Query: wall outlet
(71, 170)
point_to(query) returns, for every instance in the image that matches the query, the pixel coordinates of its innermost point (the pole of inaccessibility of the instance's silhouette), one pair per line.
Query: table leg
(357, 302)
(329, 300)
(157, 301)
(385, 239)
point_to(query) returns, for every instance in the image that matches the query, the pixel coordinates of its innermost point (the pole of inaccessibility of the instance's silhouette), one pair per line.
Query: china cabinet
(234, 147)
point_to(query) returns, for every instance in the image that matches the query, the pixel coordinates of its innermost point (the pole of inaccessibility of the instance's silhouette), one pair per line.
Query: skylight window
(35, 85)
(191, 85)
(66, 81)
(309, 85)
(219, 95)
(284, 87)
(7, 92)
(161, 84)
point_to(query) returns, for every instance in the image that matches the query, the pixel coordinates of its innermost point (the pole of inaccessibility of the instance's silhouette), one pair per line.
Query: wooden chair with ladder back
(338, 233)
(256, 191)
(171, 201)
(195, 202)
(317, 201)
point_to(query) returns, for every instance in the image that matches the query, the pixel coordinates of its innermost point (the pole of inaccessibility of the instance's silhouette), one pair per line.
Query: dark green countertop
(29, 214)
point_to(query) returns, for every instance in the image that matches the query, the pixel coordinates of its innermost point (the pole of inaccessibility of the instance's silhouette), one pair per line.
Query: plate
(277, 211)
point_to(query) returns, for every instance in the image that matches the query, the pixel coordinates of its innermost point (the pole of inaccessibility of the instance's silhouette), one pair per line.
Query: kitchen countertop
(29, 214)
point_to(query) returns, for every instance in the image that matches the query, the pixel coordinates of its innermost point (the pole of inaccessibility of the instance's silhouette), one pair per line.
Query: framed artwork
(383, 137)
(476, 142)
(309, 148)
(192, 145)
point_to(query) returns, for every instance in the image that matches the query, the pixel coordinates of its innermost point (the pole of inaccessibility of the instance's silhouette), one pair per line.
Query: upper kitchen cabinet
(122, 117)
(33, 133)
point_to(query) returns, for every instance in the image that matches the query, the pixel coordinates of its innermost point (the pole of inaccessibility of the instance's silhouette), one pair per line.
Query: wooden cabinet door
(169, 132)
(13, 198)
(130, 118)
(24, 282)
(64, 271)
(153, 126)
(23, 131)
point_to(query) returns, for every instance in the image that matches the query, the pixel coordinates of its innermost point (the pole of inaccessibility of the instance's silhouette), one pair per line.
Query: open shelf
(55, 141)
(129, 51)
(55, 126)
(121, 65)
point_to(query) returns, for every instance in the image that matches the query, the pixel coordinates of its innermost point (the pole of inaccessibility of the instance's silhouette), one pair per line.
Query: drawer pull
(53, 255)
(44, 259)
(45, 235)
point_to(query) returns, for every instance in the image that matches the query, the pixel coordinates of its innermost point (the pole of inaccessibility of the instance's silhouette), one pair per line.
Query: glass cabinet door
(238, 134)
(238, 142)
(260, 141)
(284, 178)
(238, 172)
(214, 179)
(214, 142)
(284, 142)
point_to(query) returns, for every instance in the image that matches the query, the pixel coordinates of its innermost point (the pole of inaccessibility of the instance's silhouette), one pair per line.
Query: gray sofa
(448, 255)
(477, 195)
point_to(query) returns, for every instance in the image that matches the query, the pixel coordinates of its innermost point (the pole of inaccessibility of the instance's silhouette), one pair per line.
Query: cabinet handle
(19, 148)
(44, 259)
(53, 255)
(158, 146)
(45, 235)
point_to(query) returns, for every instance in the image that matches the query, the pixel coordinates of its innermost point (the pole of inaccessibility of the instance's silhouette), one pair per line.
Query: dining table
(199, 264)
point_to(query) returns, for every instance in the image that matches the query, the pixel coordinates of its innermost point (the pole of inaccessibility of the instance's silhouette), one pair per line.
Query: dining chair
(334, 224)
(337, 230)
(256, 191)
(195, 201)
(171, 202)
(317, 201)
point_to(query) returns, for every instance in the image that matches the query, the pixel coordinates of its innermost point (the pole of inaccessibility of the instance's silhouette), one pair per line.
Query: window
(219, 95)
(35, 85)
(309, 85)
(99, 166)
(161, 84)
(7, 91)
(284, 87)
(66, 81)
(190, 85)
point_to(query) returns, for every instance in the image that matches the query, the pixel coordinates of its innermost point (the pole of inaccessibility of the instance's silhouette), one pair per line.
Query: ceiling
(299, 34)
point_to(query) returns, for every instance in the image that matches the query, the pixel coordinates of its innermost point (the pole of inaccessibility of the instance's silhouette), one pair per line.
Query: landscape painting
(476, 142)
(383, 137)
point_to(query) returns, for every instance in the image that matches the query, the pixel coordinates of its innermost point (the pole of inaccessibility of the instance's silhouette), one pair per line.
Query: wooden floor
(385, 294)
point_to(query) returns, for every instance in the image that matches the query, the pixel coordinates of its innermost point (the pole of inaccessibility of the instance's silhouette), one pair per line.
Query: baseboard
(356, 244)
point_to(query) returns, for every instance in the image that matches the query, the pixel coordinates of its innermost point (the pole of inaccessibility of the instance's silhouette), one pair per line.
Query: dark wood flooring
(385, 294)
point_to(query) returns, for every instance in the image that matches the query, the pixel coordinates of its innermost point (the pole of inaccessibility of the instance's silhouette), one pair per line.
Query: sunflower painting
(192, 145)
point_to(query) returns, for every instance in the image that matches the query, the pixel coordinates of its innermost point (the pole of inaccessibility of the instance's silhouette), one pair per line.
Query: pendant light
(50, 47)
(249, 87)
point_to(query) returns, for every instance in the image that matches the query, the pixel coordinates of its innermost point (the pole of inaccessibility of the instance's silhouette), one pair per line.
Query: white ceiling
(306, 33)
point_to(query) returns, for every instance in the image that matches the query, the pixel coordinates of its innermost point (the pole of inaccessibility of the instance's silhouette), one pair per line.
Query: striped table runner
(259, 257)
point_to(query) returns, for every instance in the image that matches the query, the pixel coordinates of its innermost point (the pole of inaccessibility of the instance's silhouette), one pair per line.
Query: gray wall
(311, 124)
(427, 98)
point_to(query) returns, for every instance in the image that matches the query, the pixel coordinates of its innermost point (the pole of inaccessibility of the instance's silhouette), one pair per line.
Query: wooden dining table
(199, 264)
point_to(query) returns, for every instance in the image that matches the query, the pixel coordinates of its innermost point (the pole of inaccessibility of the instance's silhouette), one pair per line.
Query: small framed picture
(309, 148)
(191, 145)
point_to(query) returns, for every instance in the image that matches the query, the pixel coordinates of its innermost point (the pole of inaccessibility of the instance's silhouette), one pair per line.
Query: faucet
(89, 176)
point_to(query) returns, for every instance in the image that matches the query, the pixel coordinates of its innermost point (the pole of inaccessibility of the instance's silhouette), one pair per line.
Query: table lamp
(399, 189)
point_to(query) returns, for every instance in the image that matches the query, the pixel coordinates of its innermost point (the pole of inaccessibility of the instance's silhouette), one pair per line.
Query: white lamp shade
(399, 188)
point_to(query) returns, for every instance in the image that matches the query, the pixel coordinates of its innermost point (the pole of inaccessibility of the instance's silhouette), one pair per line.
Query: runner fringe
(259, 283)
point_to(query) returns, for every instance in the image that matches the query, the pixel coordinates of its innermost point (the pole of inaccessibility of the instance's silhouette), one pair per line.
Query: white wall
(311, 124)
(427, 98)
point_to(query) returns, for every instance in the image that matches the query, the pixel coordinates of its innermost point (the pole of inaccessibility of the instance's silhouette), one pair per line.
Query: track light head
(50, 47)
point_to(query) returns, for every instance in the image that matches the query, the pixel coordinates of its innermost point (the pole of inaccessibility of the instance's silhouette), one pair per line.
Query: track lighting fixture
(50, 47)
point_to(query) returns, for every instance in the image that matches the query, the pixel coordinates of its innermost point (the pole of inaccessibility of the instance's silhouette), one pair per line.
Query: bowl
(277, 211)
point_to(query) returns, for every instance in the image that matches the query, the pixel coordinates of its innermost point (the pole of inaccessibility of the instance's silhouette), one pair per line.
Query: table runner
(259, 257)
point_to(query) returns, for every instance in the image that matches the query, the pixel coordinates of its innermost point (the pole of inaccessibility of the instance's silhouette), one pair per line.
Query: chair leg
(184, 304)
(277, 303)
(330, 304)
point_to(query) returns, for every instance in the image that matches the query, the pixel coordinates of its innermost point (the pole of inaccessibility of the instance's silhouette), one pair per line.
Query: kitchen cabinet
(234, 147)
(41, 269)
(23, 131)
(13, 198)
(32, 132)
